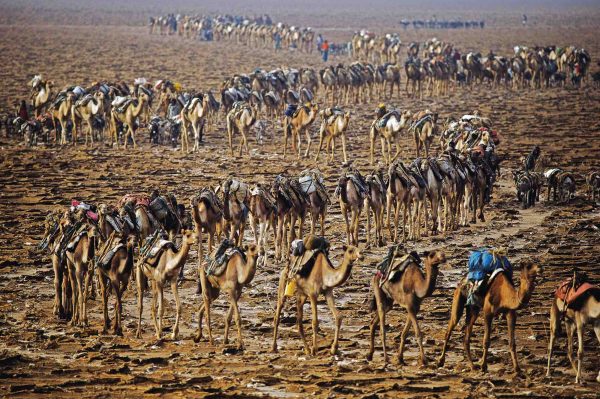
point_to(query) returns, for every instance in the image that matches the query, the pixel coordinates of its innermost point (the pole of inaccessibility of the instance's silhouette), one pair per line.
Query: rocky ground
(43, 356)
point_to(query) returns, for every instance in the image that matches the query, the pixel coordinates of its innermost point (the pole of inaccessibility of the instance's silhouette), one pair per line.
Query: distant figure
(22, 112)
(524, 19)
(277, 41)
(319, 42)
(325, 50)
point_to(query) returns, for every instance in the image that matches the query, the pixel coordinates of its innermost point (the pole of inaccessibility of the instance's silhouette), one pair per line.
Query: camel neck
(338, 276)
(425, 286)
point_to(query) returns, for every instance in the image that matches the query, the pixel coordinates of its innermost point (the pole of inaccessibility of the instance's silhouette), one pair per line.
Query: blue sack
(291, 108)
(482, 262)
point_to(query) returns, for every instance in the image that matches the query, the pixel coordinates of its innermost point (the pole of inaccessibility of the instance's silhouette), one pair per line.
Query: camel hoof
(369, 357)
(197, 338)
(274, 349)
(118, 332)
(440, 363)
(334, 351)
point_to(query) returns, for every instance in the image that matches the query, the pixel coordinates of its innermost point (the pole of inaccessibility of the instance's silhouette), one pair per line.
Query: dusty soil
(42, 356)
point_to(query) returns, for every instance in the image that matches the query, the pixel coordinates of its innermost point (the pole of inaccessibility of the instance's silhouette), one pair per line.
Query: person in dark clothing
(22, 112)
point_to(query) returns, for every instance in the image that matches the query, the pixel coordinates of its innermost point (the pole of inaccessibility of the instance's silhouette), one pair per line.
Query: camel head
(435, 258)
(189, 237)
(405, 116)
(98, 95)
(531, 270)
(251, 250)
(352, 253)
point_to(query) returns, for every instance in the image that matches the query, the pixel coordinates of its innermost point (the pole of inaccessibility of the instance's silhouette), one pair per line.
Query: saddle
(433, 165)
(216, 262)
(417, 125)
(73, 243)
(311, 180)
(395, 263)
(290, 190)
(304, 254)
(105, 261)
(209, 197)
(82, 102)
(154, 247)
(137, 199)
(383, 120)
(332, 113)
(573, 288)
(484, 265)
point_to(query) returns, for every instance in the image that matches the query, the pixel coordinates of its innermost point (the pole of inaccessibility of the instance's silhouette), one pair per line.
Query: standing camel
(114, 270)
(262, 213)
(127, 114)
(290, 205)
(61, 111)
(578, 304)
(237, 274)
(351, 192)
(207, 213)
(311, 182)
(388, 129)
(87, 109)
(375, 202)
(297, 124)
(43, 96)
(162, 265)
(194, 115)
(240, 119)
(406, 288)
(424, 130)
(321, 278)
(333, 125)
(501, 297)
(236, 196)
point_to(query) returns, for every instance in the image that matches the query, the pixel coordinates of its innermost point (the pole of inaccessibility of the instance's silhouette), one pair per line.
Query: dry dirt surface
(41, 356)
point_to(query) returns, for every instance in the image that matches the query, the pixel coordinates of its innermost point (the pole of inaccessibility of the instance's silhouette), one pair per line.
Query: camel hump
(216, 262)
(105, 261)
(394, 264)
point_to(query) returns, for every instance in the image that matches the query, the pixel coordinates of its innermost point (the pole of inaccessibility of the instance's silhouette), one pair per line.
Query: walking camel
(43, 96)
(162, 266)
(194, 115)
(127, 114)
(322, 278)
(500, 297)
(207, 213)
(114, 270)
(238, 273)
(408, 290)
(297, 124)
(240, 119)
(85, 110)
(375, 201)
(333, 126)
(578, 307)
(388, 131)
(351, 195)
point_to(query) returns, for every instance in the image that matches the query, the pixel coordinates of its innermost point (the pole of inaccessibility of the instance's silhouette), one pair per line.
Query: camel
(375, 201)
(127, 115)
(351, 192)
(333, 126)
(501, 297)
(161, 268)
(593, 184)
(194, 114)
(61, 111)
(262, 213)
(42, 97)
(207, 213)
(413, 78)
(297, 124)
(80, 267)
(388, 129)
(322, 278)
(235, 208)
(311, 182)
(237, 274)
(398, 195)
(114, 269)
(392, 77)
(86, 109)
(241, 118)
(584, 310)
(290, 205)
(53, 232)
(408, 290)
(424, 130)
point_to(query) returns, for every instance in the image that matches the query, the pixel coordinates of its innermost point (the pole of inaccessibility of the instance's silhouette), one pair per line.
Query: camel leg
(104, 295)
(511, 319)
(471, 316)
(74, 291)
(320, 146)
(345, 213)
(161, 309)
(140, 297)
(280, 302)
(458, 306)
(117, 291)
(58, 277)
(177, 309)
(315, 323)
(332, 149)
(153, 308)
(372, 327)
(403, 340)
(81, 292)
(308, 142)
(207, 309)
(344, 148)
(228, 317)
(337, 318)
(554, 327)
(323, 223)
(570, 327)
(198, 335)
(300, 300)
(238, 319)
(487, 325)
(368, 221)
(385, 156)
(579, 324)
(419, 336)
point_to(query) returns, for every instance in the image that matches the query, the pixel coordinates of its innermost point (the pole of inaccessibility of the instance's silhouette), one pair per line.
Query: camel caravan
(149, 238)
(258, 32)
